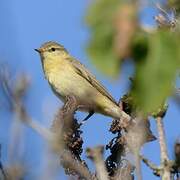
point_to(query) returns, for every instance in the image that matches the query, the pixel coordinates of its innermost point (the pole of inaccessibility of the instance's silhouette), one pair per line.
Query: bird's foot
(87, 117)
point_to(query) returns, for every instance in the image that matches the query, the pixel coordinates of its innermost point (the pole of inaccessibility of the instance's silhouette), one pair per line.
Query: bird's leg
(87, 117)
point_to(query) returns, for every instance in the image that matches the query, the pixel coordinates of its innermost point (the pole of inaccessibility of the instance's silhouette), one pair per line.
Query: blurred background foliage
(118, 35)
(174, 4)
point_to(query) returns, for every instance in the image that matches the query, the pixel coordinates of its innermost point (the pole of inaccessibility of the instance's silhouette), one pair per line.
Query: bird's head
(50, 50)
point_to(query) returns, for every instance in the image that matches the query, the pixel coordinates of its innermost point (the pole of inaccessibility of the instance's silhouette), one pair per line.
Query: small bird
(68, 77)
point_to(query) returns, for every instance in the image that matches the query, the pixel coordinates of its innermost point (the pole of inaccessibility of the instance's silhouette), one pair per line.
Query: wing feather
(83, 72)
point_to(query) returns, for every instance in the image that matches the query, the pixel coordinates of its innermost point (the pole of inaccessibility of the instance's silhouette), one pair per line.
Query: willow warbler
(68, 77)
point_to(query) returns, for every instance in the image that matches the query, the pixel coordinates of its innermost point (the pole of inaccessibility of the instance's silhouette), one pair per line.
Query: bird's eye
(53, 49)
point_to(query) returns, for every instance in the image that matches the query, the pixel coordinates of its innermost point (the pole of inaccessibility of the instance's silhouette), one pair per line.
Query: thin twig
(14, 94)
(95, 155)
(57, 148)
(163, 148)
(162, 140)
(156, 170)
(125, 171)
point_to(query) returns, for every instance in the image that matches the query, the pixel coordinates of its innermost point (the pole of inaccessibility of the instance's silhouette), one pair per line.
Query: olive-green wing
(83, 72)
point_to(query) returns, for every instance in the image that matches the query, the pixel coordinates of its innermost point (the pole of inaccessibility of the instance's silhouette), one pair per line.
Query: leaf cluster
(155, 53)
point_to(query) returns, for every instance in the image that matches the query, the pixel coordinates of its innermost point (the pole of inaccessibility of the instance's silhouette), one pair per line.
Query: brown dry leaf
(125, 25)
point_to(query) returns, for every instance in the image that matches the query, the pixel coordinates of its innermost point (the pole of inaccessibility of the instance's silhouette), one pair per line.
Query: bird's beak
(38, 50)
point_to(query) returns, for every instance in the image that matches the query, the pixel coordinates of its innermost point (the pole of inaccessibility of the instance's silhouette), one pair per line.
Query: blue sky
(25, 25)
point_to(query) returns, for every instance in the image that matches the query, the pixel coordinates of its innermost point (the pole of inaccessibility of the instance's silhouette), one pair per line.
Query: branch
(156, 170)
(54, 137)
(132, 134)
(162, 140)
(96, 156)
(14, 94)
(125, 172)
(165, 163)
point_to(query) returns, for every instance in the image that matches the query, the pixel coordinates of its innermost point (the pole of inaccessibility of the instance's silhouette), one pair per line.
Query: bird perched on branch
(68, 77)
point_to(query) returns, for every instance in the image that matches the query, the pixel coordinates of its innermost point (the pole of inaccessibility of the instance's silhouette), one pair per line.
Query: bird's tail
(115, 111)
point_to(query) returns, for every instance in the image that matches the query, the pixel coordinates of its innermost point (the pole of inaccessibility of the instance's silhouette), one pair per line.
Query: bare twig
(58, 147)
(135, 138)
(156, 170)
(164, 156)
(132, 135)
(14, 95)
(95, 155)
(71, 140)
(125, 172)
(162, 140)
(75, 165)
(164, 20)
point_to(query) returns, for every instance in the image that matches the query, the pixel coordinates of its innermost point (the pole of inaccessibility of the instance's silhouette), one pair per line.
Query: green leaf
(100, 19)
(174, 4)
(155, 74)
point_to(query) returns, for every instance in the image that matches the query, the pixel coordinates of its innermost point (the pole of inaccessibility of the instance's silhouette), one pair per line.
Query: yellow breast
(60, 75)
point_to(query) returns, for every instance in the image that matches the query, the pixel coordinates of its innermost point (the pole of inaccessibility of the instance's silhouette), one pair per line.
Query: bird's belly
(71, 84)
(88, 98)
